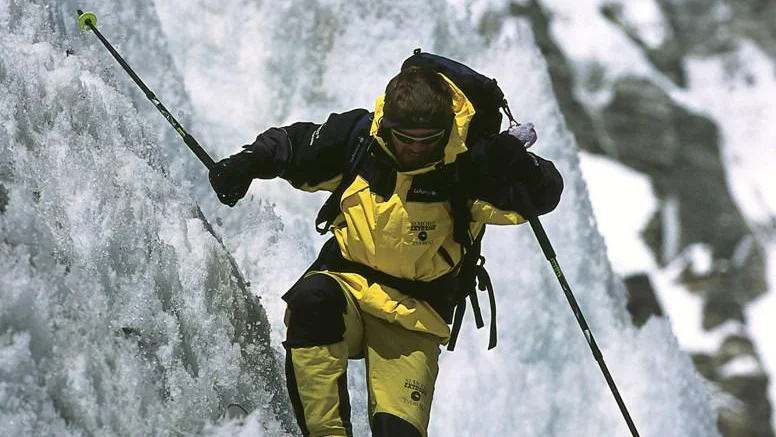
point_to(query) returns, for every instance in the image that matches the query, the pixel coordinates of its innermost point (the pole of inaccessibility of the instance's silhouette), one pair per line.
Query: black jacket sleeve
(530, 185)
(302, 153)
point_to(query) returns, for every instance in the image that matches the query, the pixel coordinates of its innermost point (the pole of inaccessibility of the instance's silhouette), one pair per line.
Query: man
(380, 290)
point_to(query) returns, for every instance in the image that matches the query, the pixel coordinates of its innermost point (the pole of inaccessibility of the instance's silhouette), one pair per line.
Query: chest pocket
(434, 186)
(405, 219)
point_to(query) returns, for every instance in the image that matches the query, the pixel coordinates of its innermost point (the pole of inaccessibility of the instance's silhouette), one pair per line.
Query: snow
(622, 211)
(634, 202)
(646, 20)
(591, 41)
(741, 366)
(700, 259)
(737, 90)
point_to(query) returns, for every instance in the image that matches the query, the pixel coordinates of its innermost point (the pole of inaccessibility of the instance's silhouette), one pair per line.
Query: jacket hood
(463, 111)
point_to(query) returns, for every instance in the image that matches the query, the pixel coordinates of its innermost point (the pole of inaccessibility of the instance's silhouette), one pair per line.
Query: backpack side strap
(473, 277)
(360, 141)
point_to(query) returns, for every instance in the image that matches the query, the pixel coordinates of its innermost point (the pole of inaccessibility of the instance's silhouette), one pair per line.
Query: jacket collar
(463, 111)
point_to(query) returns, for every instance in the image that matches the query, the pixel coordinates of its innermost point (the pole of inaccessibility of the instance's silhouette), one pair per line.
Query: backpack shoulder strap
(459, 202)
(472, 274)
(358, 145)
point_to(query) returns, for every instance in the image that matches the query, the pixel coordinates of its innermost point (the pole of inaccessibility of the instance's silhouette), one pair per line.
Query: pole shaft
(187, 138)
(549, 253)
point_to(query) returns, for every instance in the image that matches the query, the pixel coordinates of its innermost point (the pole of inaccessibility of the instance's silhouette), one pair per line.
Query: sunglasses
(427, 140)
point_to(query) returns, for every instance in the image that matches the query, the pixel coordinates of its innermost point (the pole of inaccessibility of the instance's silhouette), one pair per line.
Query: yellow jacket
(401, 228)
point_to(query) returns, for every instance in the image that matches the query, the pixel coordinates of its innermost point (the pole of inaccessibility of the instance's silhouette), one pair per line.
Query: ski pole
(549, 253)
(88, 20)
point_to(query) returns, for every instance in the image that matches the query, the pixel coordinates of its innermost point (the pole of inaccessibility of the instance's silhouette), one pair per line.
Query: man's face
(415, 148)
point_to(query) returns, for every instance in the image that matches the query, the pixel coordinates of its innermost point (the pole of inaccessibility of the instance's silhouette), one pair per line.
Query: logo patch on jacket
(426, 194)
(434, 186)
(421, 230)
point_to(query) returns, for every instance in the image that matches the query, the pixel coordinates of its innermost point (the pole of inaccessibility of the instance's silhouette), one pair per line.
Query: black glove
(229, 181)
(508, 158)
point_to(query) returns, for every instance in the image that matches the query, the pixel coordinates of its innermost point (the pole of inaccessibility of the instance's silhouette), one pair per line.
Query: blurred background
(680, 95)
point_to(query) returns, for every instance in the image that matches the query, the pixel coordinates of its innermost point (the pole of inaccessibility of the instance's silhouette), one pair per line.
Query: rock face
(642, 127)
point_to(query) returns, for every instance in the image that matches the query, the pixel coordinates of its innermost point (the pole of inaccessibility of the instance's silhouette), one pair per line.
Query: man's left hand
(509, 157)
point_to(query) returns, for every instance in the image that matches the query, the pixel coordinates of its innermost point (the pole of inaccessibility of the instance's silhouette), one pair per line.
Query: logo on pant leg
(417, 391)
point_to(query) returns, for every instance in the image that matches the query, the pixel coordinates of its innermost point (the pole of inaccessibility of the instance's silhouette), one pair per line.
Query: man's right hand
(229, 182)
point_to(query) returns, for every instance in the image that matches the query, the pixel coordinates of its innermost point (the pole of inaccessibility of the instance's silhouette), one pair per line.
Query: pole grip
(541, 236)
(533, 219)
(199, 151)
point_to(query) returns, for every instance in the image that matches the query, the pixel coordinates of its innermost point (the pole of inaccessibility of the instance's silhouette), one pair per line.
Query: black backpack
(488, 100)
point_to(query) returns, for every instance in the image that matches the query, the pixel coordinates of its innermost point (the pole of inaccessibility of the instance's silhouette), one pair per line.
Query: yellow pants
(401, 365)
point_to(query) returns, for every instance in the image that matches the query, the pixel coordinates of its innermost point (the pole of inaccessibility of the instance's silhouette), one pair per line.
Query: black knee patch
(388, 425)
(317, 305)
